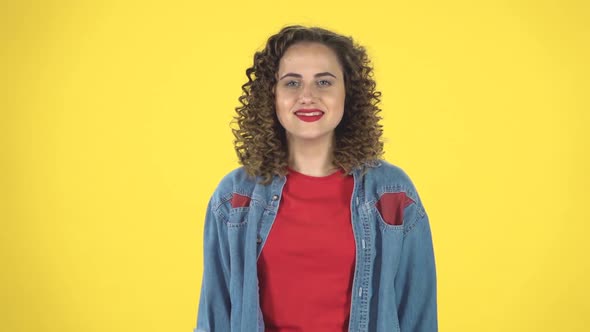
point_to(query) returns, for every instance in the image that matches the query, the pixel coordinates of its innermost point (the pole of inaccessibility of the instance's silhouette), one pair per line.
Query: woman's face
(309, 94)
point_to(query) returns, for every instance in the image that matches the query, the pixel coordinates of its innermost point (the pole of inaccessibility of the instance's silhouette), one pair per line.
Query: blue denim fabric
(394, 285)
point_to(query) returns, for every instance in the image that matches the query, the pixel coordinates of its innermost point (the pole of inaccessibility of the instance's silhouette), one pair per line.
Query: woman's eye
(292, 83)
(324, 83)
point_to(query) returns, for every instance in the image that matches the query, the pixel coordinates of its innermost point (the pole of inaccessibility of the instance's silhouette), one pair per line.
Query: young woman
(315, 232)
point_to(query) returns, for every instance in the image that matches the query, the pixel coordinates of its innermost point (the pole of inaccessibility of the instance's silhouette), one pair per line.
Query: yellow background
(115, 130)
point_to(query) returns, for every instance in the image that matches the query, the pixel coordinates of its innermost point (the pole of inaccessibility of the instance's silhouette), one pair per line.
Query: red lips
(309, 115)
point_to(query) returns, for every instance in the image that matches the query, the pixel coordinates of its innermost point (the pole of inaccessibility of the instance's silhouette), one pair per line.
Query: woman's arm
(214, 303)
(415, 282)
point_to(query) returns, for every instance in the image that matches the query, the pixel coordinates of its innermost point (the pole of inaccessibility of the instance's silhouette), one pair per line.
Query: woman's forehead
(309, 58)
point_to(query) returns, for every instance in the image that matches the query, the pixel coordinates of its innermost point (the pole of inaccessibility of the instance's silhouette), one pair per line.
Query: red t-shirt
(305, 269)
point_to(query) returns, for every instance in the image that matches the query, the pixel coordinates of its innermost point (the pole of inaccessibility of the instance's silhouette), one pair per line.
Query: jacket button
(275, 197)
(259, 240)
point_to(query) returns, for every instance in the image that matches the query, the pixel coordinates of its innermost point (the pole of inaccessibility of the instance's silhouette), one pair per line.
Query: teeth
(309, 114)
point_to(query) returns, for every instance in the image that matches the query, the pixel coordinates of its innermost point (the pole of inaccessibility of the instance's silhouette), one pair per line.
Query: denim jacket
(394, 281)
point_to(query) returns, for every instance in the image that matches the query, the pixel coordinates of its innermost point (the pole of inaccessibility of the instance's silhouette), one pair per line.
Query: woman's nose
(307, 94)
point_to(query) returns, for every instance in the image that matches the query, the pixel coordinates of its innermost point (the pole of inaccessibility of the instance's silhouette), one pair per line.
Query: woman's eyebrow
(326, 73)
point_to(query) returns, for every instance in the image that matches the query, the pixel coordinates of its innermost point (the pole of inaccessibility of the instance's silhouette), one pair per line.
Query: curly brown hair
(260, 140)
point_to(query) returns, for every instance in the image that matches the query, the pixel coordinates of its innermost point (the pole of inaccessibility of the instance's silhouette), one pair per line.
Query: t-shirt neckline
(328, 177)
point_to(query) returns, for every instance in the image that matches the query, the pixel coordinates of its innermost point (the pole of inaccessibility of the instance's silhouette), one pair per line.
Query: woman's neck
(314, 158)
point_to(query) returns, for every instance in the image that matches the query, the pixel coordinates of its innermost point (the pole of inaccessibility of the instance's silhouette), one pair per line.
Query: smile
(309, 115)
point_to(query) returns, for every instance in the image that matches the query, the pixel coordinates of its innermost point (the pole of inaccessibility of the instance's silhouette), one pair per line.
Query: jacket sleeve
(415, 282)
(214, 301)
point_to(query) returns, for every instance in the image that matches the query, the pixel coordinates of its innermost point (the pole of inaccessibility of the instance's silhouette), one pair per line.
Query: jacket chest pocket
(238, 217)
(239, 210)
(389, 240)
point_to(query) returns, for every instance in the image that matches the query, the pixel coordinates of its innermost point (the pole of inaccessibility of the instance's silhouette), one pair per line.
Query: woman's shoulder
(384, 176)
(386, 172)
(236, 178)
(236, 190)
(235, 181)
